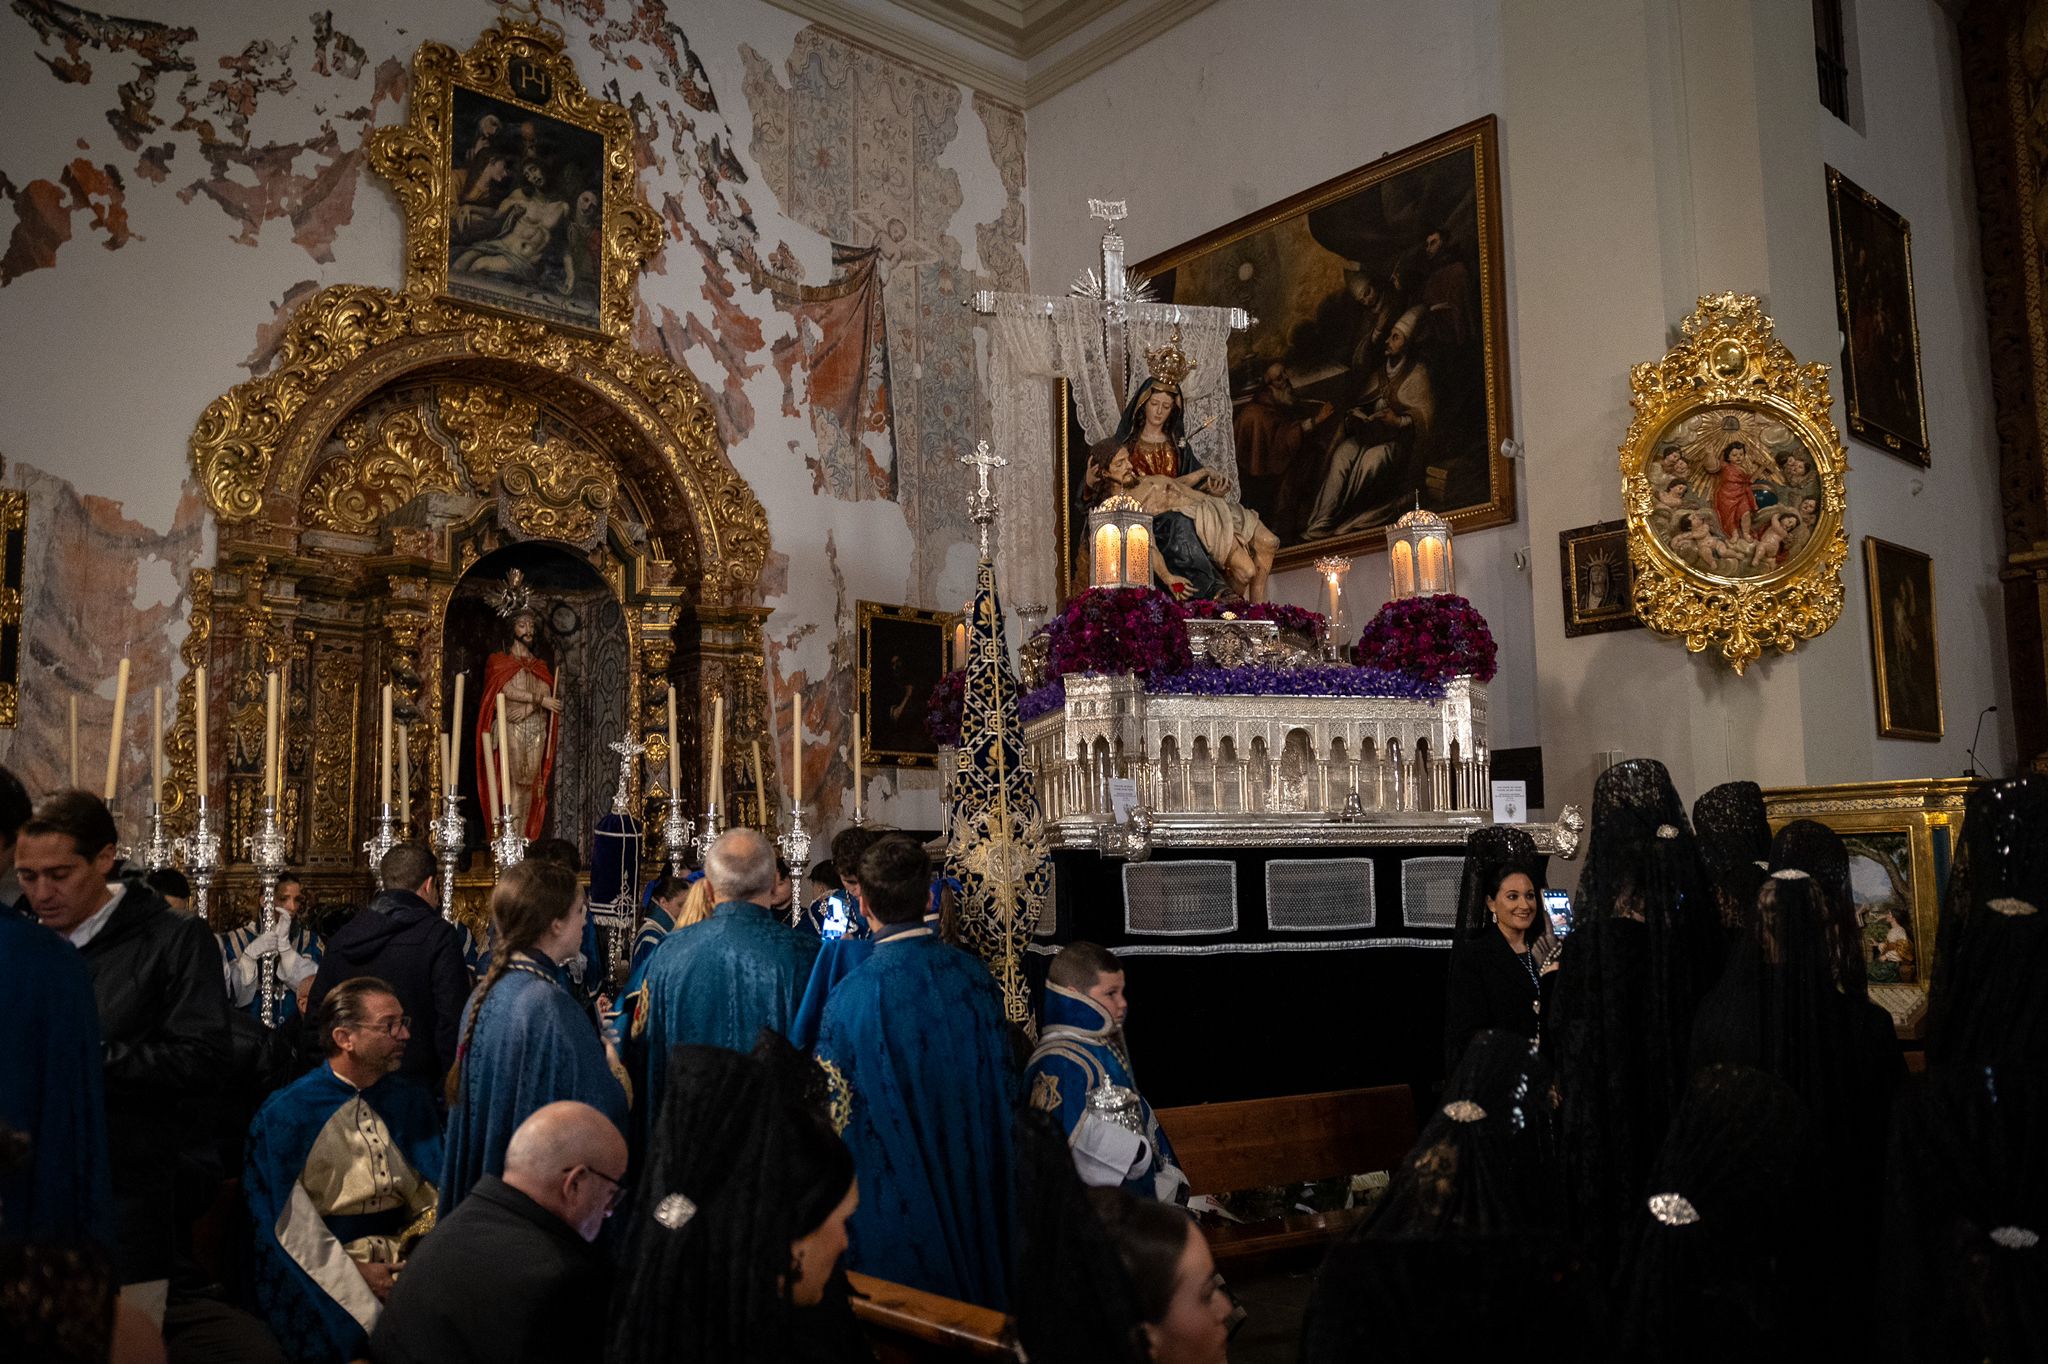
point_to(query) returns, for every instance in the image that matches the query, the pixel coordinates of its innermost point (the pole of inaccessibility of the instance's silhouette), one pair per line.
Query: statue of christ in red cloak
(532, 716)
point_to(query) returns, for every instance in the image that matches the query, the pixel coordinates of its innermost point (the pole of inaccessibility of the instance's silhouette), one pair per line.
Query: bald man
(719, 982)
(511, 1275)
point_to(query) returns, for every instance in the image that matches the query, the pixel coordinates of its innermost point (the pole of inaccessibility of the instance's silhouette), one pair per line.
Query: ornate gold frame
(527, 65)
(13, 579)
(1886, 726)
(866, 613)
(1906, 444)
(1727, 357)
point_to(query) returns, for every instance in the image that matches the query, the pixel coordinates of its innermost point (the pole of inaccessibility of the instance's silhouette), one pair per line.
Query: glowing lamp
(1419, 555)
(1120, 537)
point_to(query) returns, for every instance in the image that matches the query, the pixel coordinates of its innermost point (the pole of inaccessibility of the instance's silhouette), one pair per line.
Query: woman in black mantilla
(1498, 970)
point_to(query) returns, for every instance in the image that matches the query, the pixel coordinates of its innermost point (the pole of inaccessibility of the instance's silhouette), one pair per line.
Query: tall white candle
(270, 737)
(277, 758)
(404, 778)
(796, 749)
(156, 748)
(717, 751)
(760, 785)
(74, 743)
(492, 805)
(114, 735)
(199, 727)
(857, 760)
(504, 760)
(453, 779)
(675, 757)
(384, 748)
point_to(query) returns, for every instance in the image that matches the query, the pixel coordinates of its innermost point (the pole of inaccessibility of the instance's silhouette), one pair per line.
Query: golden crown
(1169, 363)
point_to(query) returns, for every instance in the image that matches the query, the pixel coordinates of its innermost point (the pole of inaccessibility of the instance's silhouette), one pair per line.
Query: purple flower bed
(1118, 630)
(1432, 638)
(1296, 619)
(1321, 679)
(1042, 700)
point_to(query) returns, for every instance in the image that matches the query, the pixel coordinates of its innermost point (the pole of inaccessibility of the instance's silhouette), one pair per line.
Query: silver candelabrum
(200, 852)
(381, 842)
(509, 846)
(266, 853)
(448, 834)
(796, 850)
(161, 849)
(678, 835)
(707, 834)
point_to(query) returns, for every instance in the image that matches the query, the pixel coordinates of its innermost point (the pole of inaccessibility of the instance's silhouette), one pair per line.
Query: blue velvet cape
(837, 959)
(51, 1087)
(533, 1045)
(311, 1326)
(717, 984)
(1078, 1050)
(925, 1083)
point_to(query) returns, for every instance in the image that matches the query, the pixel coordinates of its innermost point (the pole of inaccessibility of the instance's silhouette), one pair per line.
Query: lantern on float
(1419, 555)
(1120, 541)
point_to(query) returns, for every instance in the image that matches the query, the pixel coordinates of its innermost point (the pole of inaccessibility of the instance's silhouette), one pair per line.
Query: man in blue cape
(719, 982)
(51, 1090)
(1081, 1074)
(924, 1090)
(337, 1178)
(296, 947)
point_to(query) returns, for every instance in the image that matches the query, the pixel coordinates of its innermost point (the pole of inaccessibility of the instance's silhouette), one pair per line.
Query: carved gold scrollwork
(1725, 586)
(377, 474)
(560, 494)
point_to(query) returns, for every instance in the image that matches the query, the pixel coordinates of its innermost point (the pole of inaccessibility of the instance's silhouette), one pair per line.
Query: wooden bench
(1262, 1143)
(909, 1326)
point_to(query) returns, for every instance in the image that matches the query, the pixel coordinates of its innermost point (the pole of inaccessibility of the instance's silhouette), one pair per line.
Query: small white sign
(1123, 797)
(1511, 802)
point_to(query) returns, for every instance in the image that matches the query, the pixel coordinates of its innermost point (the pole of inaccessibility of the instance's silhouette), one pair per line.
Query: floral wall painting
(901, 659)
(1880, 329)
(525, 229)
(1599, 586)
(1377, 372)
(1900, 585)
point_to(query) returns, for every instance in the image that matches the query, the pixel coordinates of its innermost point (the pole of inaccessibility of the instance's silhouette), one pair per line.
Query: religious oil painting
(1735, 492)
(901, 657)
(1880, 330)
(1376, 374)
(1881, 883)
(526, 212)
(1599, 585)
(1900, 585)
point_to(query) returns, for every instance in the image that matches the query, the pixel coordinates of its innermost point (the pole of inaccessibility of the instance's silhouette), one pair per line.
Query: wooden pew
(909, 1326)
(1258, 1143)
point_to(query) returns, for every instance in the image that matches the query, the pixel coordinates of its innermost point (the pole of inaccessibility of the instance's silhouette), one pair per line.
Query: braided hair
(528, 900)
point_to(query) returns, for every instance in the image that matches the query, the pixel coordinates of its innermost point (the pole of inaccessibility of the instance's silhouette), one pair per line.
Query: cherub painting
(1734, 493)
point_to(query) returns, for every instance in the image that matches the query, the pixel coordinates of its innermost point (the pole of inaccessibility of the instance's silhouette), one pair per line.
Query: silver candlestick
(678, 834)
(448, 833)
(161, 848)
(509, 847)
(381, 842)
(796, 850)
(266, 853)
(708, 834)
(200, 851)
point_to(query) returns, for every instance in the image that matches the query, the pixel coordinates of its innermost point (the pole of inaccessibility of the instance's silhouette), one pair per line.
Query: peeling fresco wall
(170, 192)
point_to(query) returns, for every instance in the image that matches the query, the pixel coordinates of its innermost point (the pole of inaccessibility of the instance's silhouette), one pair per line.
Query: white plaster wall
(1240, 106)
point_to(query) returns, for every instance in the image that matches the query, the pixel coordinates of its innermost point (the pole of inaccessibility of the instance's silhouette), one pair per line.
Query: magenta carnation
(1432, 639)
(1113, 630)
(943, 712)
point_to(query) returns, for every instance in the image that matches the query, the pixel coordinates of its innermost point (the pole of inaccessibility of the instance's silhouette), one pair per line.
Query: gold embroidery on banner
(840, 1101)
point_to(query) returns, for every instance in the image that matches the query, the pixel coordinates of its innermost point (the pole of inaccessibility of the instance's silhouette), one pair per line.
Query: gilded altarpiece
(402, 440)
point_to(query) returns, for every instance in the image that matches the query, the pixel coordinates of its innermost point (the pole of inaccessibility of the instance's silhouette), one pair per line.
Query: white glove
(293, 968)
(1105, 1154)
(271, 942)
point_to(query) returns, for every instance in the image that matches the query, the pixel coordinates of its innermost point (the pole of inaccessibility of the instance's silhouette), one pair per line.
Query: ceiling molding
(1003, 42)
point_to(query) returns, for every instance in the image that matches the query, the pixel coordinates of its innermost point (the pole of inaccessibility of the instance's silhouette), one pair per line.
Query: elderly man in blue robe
(1081, 1074)
(924, 1091)
(719, 982)
(337, 1178)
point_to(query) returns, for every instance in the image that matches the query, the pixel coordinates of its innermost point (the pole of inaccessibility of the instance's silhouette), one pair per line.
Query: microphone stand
(1971, 769)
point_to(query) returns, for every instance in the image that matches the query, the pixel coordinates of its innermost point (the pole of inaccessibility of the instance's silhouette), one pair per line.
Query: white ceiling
(1019, 51)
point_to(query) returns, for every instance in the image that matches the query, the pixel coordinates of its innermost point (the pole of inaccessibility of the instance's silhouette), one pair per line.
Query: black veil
(1984, 1005)
(1812, 847)
(1486, 850)
(1735, 844)
(1073, 1298)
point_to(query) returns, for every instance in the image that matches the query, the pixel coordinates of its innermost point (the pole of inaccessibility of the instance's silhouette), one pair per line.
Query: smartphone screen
(1558, 904)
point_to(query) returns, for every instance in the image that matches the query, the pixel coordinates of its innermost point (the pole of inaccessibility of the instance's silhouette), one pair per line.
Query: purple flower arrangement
(1317, 679)
(1293, 619)
(1042, 700)
(1115, 630)
(943, 712)
(1432, 639)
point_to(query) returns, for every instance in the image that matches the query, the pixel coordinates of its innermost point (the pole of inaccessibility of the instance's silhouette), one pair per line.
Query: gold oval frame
(1727, 357)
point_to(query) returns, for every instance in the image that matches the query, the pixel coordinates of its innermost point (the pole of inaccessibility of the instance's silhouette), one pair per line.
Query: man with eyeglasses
(336, 1177)
(512, 1274)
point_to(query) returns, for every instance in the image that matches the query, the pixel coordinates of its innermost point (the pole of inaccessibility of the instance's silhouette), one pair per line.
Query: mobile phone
(1558, 904)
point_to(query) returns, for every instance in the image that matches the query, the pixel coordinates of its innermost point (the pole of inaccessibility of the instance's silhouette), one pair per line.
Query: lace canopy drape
(1031, 346)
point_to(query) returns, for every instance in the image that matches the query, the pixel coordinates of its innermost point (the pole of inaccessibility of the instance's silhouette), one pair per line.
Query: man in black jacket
(510, 1275)
(163, 1011)
(403, 940)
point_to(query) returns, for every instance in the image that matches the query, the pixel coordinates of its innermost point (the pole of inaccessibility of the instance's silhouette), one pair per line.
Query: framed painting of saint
(1377, 372)
(1880, 328)
(1903, 652)
(1599, 586)
(900, 657)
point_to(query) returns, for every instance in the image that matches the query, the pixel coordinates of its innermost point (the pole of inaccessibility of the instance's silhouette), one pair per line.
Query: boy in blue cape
(337, 1178)
(924, 1090)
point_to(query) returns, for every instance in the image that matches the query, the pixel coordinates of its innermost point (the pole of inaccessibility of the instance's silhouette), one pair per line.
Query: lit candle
(856, 762)
(384, 748)
(717, 751)
(796, 749)
(404, 778)
(504, 760)
(960, 645)
(675, 756)
(270, 737)
(199, 727)
(114, 736)
(156, 749)
(452, 783)
(74, 743)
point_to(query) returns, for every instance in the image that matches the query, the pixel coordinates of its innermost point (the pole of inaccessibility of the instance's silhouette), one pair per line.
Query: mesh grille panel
(1174, 898)
(1429, 891)
(1310, 896)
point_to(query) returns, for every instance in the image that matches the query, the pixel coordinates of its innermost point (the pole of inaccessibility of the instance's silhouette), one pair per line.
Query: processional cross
(1123, 298)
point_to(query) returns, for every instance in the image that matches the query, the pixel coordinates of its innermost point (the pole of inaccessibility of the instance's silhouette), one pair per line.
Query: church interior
(667, 644)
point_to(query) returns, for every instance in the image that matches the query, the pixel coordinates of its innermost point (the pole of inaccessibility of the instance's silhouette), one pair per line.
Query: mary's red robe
(500, 669)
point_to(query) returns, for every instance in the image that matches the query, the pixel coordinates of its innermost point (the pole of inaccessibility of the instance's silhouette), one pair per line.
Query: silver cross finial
(981, 503)
(628, 748)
